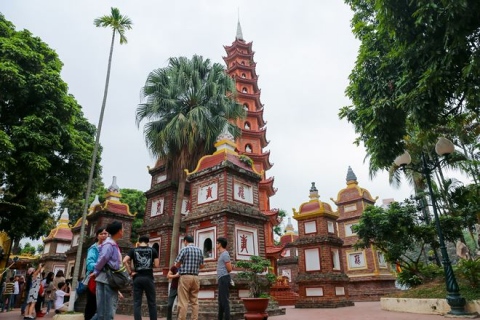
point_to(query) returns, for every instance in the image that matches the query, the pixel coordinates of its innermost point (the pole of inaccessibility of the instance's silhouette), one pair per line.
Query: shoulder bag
(117, 279)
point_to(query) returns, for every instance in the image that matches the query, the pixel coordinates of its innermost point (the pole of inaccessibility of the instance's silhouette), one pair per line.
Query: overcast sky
(304, 51)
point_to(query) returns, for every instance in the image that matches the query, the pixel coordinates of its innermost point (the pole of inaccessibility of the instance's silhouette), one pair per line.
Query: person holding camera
(33, 292)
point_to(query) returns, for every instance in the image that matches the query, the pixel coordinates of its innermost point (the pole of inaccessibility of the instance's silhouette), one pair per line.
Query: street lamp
(443, 147)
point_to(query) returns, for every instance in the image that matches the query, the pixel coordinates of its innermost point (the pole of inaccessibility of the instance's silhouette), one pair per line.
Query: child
(8, 295)
(33, 293)
(60, 295)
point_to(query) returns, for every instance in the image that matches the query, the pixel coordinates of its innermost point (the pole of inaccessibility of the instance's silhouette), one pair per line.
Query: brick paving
(361, 311)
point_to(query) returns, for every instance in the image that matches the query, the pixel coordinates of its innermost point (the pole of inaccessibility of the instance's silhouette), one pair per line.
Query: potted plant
(259, 280)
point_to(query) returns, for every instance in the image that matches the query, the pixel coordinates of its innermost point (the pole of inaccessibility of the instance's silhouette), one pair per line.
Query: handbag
(117, 279)
(92, 285)
(82, 285)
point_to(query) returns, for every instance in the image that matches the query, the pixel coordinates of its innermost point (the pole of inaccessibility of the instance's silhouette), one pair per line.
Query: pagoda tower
(100, 214)
(56, 244)
(242, 68)
(288, 262)
(321, 279)
(369, 273)
(224, 203)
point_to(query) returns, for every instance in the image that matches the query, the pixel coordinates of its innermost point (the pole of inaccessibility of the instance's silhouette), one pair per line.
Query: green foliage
(253, 272)
(401, 233)
(75, 204)
(136, 201)
(436, 289)
(422, 273)
(469, 269)
(416, 70)
(28, 249)
(246, 159)
(187, 105)
(278, 228)
(46, 142)
(40, 248)
(117, 22)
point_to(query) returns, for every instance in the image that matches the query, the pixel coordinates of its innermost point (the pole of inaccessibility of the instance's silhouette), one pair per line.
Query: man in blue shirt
(224, 266)
(189, 261)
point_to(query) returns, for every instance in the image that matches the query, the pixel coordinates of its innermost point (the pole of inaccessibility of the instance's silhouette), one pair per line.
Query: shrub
(469, 269)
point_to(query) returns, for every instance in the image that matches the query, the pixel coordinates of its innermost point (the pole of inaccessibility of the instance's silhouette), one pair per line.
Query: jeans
(223, 298)
(13, 299)
(188, 287)
(50, 305)
(171, 299)
(143, 283)
(107, 301)
(91, 305)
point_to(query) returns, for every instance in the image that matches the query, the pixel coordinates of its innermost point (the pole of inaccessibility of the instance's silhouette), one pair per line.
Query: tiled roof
(219, 157)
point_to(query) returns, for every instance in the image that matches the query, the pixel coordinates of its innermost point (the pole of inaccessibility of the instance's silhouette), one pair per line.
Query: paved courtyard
(361, 311)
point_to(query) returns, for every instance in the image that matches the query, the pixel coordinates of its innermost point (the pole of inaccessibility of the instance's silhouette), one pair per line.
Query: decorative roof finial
(350, 175)
(64, 219)
(94, 203)
(65, 215)
(314, 192)
(225, 140)
(113, 192)
(239, 35)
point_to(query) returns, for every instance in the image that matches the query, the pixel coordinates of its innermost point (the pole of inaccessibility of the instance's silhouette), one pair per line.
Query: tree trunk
(78, 258)
(177, 217)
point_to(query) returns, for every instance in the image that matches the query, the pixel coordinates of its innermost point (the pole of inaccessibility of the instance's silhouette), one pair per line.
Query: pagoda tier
(261, 161)
(236, 69)
(248, 97)
(258, 116)
(251, 81)
(255, 135)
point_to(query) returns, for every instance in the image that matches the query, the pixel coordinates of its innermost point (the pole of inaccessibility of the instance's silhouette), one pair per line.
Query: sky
(304, 51)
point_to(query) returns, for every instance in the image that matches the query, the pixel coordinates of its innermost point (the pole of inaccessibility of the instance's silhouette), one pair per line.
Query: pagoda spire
(239, 35)
(351, 177)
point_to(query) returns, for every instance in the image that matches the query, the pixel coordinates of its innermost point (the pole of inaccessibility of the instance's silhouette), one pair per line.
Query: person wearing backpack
(144, 259)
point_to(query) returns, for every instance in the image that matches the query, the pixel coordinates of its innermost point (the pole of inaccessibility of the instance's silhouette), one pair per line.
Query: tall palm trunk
(78, 258)
(177, 218)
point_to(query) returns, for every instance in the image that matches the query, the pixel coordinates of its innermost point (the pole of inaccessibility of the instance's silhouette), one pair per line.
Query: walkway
(361, 311)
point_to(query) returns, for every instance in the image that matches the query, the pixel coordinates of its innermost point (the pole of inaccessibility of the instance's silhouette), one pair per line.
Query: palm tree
(119, 24)
(187, 104)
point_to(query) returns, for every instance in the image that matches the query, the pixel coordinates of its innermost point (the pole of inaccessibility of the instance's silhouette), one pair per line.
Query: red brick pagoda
(321, 279)
(369, 273)
(242, 67)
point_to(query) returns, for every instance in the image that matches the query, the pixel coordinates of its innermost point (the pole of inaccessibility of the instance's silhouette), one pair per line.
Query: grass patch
(436, 289)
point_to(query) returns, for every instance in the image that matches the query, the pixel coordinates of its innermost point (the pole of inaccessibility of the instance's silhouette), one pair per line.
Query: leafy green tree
(187, 104)
(45, 140)
(401, 233)
(28, 249)
(417, 68)
(136, 201)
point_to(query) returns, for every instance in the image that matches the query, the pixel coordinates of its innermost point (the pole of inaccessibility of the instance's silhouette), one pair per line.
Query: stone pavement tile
(361, 311)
